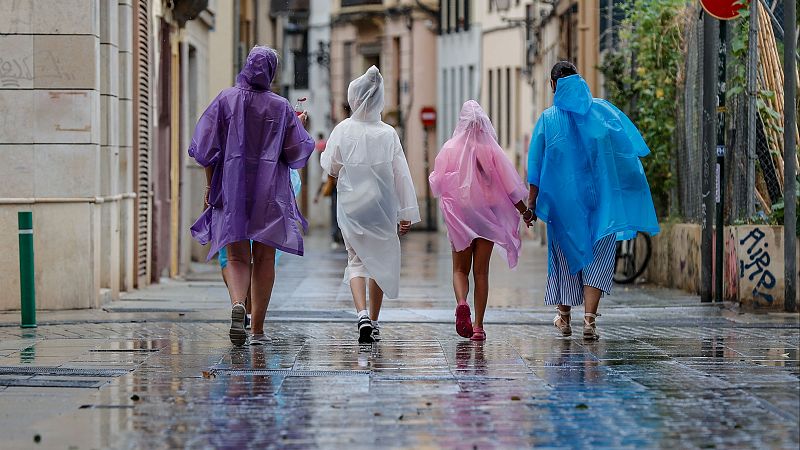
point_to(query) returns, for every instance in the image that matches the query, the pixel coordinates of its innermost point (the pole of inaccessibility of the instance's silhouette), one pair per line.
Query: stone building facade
(401, 40)
(88, 99)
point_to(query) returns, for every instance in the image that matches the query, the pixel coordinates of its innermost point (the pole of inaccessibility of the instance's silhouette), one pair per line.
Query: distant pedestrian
(481, 196)
(327, 188)
(587, 183)
(248, 140)
(375, 194)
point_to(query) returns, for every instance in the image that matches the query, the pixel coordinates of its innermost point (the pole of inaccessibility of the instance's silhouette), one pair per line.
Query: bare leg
(225, 279)
(566, 309)
(358, 286)
(591, 300)
(481, 256)
(238, 271)
(375, 300)
(262, 281)
(462, 262)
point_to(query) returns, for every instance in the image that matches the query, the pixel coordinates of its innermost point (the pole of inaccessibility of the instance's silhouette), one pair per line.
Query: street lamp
(323, 54)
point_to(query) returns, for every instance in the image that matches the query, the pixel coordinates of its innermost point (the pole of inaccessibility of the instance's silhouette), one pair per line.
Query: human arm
(331, 158)
(297, 143)
(207, 141)
(209, 175)
(533, 193)
(535, 159)
(408, 209)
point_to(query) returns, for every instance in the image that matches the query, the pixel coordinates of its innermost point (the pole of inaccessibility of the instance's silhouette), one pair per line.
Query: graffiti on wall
(755, 265)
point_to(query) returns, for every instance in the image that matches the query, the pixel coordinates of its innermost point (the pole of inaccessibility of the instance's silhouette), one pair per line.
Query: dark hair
(563, 69)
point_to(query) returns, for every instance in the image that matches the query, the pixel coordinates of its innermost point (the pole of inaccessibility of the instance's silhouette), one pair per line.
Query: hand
(405, 225)
(303, 118)
(529, 217)
(205, 197)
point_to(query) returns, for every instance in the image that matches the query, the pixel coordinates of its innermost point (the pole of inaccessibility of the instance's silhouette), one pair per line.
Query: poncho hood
(573, 95)
(365, 96)
(259, 69)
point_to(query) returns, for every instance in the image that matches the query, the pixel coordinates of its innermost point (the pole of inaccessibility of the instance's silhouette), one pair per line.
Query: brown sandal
(565, 328)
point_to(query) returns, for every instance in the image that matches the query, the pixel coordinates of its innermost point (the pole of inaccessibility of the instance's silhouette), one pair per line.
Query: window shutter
(141, 133)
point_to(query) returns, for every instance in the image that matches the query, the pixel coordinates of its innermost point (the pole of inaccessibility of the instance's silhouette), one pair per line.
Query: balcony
(289, 6)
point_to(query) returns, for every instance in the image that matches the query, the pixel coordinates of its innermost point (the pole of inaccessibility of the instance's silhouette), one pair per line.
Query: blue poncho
(584, 157)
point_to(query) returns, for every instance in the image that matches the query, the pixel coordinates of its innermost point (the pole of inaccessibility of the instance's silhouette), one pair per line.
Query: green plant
(652, 33)
(776, 217)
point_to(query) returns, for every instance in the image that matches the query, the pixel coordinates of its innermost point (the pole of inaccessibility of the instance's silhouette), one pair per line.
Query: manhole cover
(35, 382)
(62, 371)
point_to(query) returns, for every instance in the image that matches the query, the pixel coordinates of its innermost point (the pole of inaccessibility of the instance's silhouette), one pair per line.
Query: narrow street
(157, 370)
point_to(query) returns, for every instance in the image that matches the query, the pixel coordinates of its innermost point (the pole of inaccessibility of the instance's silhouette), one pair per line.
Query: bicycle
(631, 258)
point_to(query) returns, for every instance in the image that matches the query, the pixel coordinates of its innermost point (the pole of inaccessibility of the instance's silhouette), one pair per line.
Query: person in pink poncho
(481, 196)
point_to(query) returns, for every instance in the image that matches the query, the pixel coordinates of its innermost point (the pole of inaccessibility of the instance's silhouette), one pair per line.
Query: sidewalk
(156, 369)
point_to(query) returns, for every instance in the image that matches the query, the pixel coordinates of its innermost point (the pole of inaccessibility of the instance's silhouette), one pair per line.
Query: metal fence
(753, 182)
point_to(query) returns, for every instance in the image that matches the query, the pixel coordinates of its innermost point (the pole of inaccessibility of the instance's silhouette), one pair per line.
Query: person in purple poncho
(248, 139)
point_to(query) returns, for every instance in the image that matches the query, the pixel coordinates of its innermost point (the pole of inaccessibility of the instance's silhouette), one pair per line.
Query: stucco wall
(753, 271)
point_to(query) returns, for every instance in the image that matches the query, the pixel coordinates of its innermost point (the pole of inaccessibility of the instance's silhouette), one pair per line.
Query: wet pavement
(156, 370)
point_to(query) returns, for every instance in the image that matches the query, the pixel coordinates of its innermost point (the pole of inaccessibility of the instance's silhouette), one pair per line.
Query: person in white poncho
(375, 194)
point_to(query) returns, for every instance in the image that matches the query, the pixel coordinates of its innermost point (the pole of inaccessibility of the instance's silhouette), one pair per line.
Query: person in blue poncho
(588, 184)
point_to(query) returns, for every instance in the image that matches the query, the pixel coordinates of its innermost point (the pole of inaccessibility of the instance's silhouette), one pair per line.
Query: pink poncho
(478, 186)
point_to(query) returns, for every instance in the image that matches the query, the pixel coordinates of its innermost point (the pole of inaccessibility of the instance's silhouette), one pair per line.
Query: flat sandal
(590, 328)
(565, 328)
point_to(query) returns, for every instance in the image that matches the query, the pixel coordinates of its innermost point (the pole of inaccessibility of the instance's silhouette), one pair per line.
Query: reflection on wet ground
(666, 373)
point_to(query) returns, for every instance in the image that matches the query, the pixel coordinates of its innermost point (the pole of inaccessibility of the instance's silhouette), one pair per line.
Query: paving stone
(668, 372)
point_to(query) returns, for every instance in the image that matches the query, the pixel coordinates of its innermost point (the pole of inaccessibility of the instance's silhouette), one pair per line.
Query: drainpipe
(174, 160)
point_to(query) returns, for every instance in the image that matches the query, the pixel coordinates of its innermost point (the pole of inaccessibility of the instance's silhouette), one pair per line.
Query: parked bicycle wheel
(631, 259)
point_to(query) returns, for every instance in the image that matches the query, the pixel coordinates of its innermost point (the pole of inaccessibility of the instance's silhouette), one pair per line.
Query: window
(508, 106)
(445, 101)
(466, 19)
(500, 118)
(461, 88)
(490, 91)
(454, 106)
(471, 82)
(347, 69)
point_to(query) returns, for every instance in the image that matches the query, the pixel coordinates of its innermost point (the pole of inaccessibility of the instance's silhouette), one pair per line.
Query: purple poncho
(251, 137)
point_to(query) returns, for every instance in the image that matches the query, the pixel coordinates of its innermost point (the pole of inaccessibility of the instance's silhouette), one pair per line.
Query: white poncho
(374, 189)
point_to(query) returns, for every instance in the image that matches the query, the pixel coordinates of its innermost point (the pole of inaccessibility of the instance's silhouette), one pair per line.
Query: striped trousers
(564, 288)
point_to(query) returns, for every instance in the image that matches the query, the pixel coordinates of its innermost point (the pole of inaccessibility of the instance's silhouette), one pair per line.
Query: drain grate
(379, 377)
(34, 382)
(106, 407)
(293, 373)
(62, 371)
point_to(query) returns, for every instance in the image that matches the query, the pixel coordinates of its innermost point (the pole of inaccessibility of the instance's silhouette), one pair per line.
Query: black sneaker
(237, 333)
(376, 332)
(365, 330)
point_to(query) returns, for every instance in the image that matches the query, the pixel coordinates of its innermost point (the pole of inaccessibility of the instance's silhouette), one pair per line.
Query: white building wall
(319, 106)
(459, 76)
